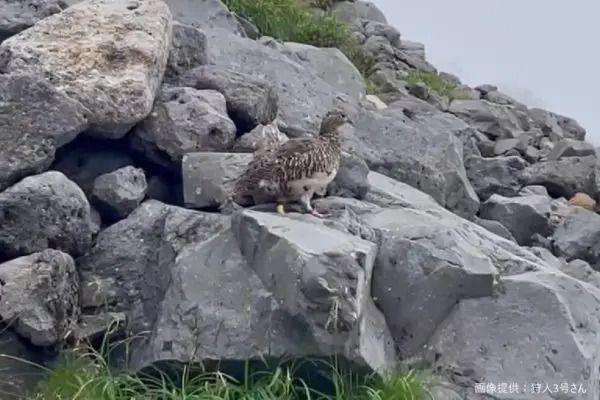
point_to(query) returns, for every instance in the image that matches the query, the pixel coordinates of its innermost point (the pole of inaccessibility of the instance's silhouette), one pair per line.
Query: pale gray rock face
(571, 148)
(578, 236)
(261, 137)
(494, 120)
(495, 227)
(185, 120)
(187, 51)
(44, 211)
(40, 296)
(18, 15)
(357, 11)
(116, 194)
(35, 120)
(125, 47)
(423, 152)
(556, 126)
(304, 98)
(496, 175)
(484, 340)
(351, 179)
(523, 216)
(205, 14)
(331, 65)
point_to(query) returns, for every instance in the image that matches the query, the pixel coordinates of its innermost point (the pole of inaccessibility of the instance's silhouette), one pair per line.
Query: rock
(583, 200)
(518, 144)
(331, 65)
(259, 138)
(376, 28)
(35, 120)
(185, 120)
(250, 100)
(187, 51)
(325, 283)
(208, 178)
(549, 258)
(564, 177)
(351, 179)
(495, 227)
(40, 296)
(129, 267)
(44, 211)
(578, 236)
(85, 159)
(356, 11)
(476, 338)
(522, 216)
(376, 101)
(304, 98)
(18, 15)
(205, 14)
(533, 189)
(581, 270)
(250, 30)
(571, 148)
(415, 49)
(94, 327)
(494, 120)
(428, 257)
(555, 125)
(495, 175)
(502, 99)
(118, 193)
(126, 48)
(423, 152)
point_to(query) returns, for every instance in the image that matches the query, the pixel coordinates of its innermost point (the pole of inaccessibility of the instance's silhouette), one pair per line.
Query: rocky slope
(124, 124)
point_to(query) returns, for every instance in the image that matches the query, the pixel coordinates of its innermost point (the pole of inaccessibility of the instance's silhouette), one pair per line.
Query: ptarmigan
(294, 170)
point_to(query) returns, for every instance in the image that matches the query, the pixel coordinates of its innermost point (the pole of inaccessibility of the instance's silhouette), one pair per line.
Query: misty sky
(545, 53)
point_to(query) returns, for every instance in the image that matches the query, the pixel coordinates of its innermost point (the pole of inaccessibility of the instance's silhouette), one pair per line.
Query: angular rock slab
(40, 296)
(129, 267)
(578, 236)
(118, 193)
(542, 327)
(428, 259)
(422, 151)
(44, 211)
(208, 178)
(321, 276)
(35, 120)
(217, 309)
(495, 175)
(109, 55)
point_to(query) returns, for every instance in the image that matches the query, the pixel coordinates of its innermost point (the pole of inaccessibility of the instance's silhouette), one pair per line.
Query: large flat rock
(109, 55)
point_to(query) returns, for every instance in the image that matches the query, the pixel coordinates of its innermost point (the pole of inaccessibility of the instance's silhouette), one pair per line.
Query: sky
(544, 53)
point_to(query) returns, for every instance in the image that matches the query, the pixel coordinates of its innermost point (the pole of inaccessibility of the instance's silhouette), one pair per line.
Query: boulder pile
(451, 238)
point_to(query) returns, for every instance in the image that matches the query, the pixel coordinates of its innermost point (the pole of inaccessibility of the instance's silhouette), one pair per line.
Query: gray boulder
(40, 296)
(582, 270)
(304, 98)
(496, 121)
(498, 175)
(129, 52)
(548, 316)
(185, 120)
(250, 100)
(187, 51)
(357, 11)
(44, 211)
(523, 216)
(35, 120)
(494, 227)
(351, 179)
(205, 14)
(423, 152)
(556, 126)
(571, 148)
(578, 236)
(563, 177)
(259, 138)
(18, 15)
(118, 193)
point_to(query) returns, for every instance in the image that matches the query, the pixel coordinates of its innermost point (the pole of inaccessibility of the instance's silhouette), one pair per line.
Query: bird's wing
(298, 156)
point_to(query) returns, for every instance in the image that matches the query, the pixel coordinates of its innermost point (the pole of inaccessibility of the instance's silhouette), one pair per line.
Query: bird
(295, 170)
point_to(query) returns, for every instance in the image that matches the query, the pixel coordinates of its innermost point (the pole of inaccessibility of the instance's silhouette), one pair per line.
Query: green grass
(292, 21)
(84, 374)
(434, 82)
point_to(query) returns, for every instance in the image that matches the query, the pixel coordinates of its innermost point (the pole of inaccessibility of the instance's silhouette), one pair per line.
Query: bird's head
(332, 121)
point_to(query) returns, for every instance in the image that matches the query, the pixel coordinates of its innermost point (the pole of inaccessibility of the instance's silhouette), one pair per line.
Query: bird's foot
(280, 209)
(318, 214)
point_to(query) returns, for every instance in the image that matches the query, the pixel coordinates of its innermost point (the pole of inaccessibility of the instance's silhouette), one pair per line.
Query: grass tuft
(85, 374)
(434, 82)
(292, 21)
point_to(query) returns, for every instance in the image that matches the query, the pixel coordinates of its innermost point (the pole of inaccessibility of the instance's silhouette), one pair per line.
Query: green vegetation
(292, 21)
(434, 82)
(84, 374)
